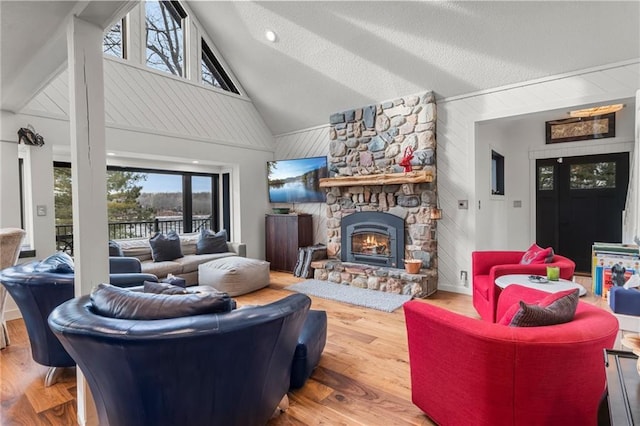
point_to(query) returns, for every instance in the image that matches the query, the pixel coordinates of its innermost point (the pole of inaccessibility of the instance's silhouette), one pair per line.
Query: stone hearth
(390, 280)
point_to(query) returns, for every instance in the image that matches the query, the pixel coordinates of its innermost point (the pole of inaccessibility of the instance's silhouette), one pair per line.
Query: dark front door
(579, 200)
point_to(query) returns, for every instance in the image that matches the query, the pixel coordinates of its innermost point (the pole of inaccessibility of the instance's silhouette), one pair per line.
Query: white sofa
(185, 267)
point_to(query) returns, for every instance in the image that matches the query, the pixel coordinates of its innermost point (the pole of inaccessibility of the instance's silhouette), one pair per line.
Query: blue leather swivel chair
(212, 369)
(38, 293)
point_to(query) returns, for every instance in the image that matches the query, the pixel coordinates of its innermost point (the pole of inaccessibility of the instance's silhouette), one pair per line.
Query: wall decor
(581, 128)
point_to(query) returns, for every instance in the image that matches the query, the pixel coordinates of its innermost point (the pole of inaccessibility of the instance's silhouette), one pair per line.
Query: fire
(372, 244)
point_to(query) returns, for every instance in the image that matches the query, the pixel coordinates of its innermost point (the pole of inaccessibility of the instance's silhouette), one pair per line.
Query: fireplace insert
(373, 238)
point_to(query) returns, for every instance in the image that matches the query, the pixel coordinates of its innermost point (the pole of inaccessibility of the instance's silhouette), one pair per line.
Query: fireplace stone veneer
(372, 141)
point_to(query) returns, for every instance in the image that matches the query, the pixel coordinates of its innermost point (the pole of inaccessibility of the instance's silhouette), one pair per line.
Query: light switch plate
(517, 203)
(41, 210)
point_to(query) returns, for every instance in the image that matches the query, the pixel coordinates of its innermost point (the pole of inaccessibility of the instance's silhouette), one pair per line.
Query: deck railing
(132, 229)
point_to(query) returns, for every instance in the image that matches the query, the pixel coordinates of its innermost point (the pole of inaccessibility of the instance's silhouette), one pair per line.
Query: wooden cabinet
(285, 233)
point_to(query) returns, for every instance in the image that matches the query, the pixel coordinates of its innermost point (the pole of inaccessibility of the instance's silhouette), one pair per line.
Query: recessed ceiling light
(195, 161)
(271, 36)
(111, 154)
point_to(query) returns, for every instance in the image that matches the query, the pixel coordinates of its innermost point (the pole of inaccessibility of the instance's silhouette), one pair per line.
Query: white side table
(549, 287)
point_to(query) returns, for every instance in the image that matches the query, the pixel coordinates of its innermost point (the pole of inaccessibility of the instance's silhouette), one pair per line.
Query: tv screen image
(297, 180)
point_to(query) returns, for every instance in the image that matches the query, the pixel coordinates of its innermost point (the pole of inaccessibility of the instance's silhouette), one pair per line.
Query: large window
(165, 36)
(212, 72)
(141, 202)
(114, 42)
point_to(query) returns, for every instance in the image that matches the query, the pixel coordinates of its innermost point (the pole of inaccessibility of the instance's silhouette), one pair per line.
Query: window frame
(220, 194)
(497, 173)
(124, 39)
(176, 10)
(209, 59)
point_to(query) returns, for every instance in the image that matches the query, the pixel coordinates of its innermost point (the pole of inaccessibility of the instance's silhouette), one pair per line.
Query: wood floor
(362, 379)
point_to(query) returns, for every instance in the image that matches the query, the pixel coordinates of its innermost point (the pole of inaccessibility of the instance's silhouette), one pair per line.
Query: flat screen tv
(297, 180)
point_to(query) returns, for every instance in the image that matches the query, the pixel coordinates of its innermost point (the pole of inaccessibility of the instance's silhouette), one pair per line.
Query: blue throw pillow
(114, 249)
(165, 247)
(211, 242)
(60, 262)
(115, 302)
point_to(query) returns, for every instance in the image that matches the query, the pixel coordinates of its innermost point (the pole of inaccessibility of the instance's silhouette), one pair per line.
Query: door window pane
(592, 175)
(545, 178)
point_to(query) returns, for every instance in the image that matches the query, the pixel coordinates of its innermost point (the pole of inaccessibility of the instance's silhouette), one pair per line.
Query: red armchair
(486, 266)
(465, 371)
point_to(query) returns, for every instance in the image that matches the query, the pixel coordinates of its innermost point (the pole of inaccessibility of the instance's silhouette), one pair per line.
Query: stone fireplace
(367, 182)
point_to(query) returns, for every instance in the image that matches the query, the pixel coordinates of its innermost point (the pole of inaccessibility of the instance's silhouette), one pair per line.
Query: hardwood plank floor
(362, 379)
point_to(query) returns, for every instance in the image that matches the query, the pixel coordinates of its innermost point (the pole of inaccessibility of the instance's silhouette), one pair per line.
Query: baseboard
(454, 289)
(12, 314)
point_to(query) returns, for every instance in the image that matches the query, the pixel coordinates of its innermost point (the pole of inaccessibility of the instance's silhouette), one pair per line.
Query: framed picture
(581, 128)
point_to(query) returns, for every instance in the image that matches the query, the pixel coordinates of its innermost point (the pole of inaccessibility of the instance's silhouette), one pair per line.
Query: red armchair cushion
(536, 254)
(557, 308)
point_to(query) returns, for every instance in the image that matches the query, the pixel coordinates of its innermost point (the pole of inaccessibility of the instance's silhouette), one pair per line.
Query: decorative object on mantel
(581, 128)
(28, 136)
(406, 160)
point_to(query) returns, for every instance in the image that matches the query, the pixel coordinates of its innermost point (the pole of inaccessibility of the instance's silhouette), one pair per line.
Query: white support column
(88, 169)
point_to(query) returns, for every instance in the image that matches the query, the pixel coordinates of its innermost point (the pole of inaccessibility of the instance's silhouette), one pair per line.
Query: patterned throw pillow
(557, 308)
(536, 254)
(165, 247)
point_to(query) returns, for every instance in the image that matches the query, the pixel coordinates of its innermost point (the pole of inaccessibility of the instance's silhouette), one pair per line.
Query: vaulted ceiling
(331, 56)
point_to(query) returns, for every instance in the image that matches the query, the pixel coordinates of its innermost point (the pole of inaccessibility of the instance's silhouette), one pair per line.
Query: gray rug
(379, 300)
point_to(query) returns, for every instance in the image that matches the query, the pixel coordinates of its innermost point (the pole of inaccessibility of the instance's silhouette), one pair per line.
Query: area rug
(379, 300)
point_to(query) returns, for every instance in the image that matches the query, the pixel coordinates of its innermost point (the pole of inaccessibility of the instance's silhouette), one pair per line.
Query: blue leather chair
(37, 293)
(212, 369)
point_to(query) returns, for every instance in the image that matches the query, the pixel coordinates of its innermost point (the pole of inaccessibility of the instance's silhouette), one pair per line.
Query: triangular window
(212, 72)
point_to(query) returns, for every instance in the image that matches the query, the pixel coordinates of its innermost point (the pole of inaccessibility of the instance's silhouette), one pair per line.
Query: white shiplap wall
(456, 138)
(142, 99)
(313, 142)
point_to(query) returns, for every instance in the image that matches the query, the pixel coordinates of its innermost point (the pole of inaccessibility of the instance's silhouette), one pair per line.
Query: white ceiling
(332, 56)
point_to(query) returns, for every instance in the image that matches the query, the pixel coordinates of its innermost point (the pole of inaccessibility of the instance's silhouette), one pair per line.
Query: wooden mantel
(379, 179)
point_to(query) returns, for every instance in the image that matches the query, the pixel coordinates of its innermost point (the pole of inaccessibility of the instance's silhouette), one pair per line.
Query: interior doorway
(580, 200)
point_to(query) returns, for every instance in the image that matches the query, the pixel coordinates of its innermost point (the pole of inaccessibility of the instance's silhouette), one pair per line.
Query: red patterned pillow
(557, 308)
(536, 254)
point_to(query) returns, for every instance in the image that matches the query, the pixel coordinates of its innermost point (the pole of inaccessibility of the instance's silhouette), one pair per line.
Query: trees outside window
(165, 36)
(212, 72)
(114, 40)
